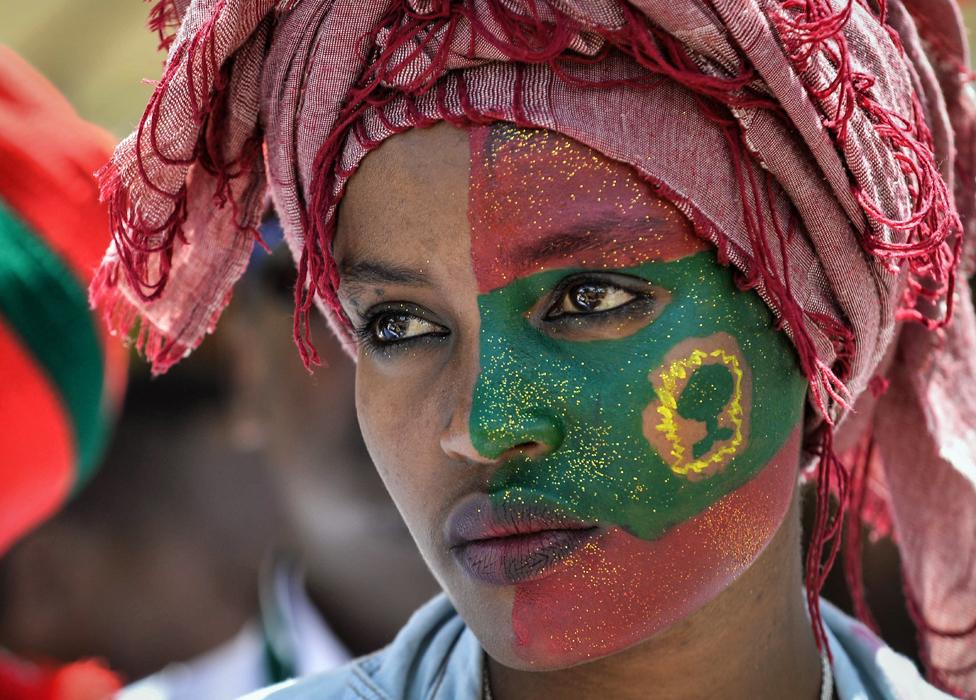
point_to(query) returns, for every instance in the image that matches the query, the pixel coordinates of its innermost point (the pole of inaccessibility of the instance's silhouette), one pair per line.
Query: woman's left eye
(590, 297)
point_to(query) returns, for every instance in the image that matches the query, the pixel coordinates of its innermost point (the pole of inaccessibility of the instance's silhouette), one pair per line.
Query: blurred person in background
(61, 379)
(153, 560)
(158, 562)
(351, 576)
(157, 559)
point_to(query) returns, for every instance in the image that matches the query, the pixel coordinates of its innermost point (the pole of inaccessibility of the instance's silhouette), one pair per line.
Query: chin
(619, 590)
(615, 593)
(590, 609)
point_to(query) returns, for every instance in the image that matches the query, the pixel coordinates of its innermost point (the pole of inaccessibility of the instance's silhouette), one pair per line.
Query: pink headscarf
(845, 198)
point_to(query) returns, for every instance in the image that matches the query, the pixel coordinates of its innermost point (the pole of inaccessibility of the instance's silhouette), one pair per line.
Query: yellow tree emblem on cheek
(698, 422)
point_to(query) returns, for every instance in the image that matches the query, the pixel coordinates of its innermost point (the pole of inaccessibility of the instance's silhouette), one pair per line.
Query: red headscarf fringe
(145, 249)
(164, 19)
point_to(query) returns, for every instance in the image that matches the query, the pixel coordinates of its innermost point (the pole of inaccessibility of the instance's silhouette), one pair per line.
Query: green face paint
(593, 398)
(709, 390)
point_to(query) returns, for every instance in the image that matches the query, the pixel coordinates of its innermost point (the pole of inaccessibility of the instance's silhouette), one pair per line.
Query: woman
(603, 315)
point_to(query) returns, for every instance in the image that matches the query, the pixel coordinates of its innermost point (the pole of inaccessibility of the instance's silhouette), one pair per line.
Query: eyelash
(372, 347)
(368, 341)
(640, 296)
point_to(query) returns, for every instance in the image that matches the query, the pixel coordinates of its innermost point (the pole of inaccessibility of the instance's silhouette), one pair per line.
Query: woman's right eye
(391, 327)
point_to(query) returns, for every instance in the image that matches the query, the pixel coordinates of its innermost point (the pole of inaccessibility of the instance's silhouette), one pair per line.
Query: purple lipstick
(505, 543)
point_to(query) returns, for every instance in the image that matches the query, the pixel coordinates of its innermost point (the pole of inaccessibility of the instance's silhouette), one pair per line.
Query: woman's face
(588, 429)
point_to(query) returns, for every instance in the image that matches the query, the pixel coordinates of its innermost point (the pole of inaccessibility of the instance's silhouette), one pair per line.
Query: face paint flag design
(661, 419)
(699, 420)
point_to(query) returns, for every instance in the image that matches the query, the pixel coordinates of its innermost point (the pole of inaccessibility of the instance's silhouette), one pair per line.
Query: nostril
(530, 449)
(523, 432)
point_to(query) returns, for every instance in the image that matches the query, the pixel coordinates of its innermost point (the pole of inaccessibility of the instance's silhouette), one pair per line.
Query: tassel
(164, 19)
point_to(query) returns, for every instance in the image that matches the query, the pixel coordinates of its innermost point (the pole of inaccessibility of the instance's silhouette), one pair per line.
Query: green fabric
(44, 304)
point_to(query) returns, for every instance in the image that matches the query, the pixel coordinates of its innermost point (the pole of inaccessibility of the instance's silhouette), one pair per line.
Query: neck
(752, 641)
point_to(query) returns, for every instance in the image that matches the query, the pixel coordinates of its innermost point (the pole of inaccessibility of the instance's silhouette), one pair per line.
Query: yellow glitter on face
(541, 194)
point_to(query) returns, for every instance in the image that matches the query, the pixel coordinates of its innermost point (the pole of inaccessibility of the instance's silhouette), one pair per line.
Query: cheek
(390, 433)
(403, 409)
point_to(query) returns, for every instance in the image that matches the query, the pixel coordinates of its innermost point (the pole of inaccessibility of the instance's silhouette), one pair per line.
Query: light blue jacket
(436, 657)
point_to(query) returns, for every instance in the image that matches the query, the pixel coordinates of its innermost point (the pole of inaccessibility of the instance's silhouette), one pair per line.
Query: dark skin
(407, 207)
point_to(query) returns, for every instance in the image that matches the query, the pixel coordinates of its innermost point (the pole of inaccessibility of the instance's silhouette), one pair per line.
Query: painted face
(588, 429)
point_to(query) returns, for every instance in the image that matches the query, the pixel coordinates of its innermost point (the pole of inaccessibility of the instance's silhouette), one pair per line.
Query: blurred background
(232, 458)
(235, 460)
(97, 52)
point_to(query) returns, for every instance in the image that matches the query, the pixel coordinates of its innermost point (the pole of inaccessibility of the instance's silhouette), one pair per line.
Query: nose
(531, 436)
(512, 413)
(521, 432)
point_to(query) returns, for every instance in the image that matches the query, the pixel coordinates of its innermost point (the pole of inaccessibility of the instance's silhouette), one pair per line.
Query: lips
(506, 543)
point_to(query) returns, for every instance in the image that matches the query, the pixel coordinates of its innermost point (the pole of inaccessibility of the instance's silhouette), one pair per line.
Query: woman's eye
(589, 298)
(388, 328)
(598, 306)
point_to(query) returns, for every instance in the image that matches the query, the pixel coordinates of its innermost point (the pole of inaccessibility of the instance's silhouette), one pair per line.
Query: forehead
(540, 200)
(406, 205)
(506, 201)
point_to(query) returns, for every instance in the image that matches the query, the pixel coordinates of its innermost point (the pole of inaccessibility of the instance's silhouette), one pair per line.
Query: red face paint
(621, 589)
(522, 225)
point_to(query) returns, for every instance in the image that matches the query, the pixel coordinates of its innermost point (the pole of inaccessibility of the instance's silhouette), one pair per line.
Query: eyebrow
(376, 272)
(580, 237)
(577, 238)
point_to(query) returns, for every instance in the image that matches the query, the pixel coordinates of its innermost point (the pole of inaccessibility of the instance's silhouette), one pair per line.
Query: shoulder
(337, 684)
(434, 656)
(865, 667)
